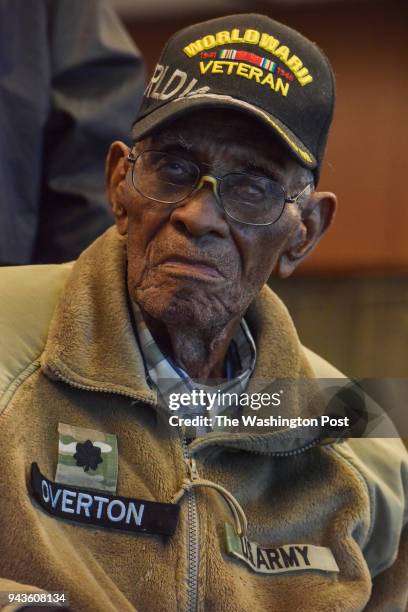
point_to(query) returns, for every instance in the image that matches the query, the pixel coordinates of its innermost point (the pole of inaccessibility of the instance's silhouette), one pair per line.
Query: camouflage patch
(87, 458)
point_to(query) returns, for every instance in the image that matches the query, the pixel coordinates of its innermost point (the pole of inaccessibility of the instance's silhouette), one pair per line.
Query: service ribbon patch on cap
(91, 508)
(87, 458)
(280, 559)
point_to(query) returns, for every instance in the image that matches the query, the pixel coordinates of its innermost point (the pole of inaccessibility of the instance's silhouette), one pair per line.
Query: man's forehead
(231, 131)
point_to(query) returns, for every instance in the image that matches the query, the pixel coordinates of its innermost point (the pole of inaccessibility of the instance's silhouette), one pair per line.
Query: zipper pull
(192, 469)
(192, 477)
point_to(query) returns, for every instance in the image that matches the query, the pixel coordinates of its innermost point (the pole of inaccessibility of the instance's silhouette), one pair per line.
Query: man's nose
(201, 214)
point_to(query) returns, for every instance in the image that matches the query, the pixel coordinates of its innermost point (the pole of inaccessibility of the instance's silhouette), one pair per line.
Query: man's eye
(176, 167)
(173, 169)
(249, 191)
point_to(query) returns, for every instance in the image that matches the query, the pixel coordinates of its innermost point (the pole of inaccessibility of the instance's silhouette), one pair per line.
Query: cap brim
(174, 109)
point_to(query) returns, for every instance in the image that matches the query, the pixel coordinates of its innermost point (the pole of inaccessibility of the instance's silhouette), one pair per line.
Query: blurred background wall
(350, 298)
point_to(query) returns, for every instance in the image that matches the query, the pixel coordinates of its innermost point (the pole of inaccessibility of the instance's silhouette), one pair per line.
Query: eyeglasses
(248, 198)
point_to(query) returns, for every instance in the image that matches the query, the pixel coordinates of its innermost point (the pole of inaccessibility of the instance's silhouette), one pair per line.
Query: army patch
(87, 458)
(281, 559)
(115, 512)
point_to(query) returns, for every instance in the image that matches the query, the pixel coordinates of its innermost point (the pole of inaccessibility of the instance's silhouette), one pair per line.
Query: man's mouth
(190, 266)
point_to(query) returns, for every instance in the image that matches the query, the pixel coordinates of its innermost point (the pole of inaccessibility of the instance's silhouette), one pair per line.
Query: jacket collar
(92, 344)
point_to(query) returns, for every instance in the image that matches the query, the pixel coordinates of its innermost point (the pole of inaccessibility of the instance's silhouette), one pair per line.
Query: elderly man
(127, 483)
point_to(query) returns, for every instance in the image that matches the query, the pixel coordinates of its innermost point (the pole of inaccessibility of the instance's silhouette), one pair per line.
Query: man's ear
(115, 169)
(316, 216)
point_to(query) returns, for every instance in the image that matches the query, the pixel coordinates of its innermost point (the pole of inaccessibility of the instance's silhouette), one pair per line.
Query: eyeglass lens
(170, 179)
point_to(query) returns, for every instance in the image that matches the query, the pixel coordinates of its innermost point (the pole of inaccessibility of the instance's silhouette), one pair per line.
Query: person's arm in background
(70, 82)
(97, 81)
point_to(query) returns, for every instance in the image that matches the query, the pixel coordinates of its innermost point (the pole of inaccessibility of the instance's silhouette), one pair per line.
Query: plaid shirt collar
(164, 375)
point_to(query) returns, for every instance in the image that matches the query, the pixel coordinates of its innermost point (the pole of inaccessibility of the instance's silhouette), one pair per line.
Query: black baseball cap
(249, 63)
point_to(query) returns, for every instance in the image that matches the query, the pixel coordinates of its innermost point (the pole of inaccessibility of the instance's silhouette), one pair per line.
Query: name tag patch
(91, 508)
(279, 560)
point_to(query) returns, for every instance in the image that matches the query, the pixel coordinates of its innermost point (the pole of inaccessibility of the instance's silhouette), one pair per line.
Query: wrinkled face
(192, 264)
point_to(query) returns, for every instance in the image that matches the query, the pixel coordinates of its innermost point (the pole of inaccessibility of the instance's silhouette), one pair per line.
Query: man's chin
(183, 307)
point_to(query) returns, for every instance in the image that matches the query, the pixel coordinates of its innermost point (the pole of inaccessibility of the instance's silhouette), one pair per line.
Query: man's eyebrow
(167, 138)
(262, 168)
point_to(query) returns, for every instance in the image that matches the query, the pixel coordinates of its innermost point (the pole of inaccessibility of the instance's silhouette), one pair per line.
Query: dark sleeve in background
(24, 92)
(71, 81)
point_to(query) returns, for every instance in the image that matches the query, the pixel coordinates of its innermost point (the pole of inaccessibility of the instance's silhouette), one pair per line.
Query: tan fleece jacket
(346, 497)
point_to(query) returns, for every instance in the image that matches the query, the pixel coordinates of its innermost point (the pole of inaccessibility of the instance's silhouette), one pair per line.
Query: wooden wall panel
(360, 324)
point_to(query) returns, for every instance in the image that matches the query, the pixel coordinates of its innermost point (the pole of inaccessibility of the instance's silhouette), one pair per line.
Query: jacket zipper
(193, 532)
(193, 522)
(193, 527)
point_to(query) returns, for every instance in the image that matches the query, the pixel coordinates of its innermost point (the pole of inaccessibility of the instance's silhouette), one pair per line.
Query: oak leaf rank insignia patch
(88, 455)
(87, 458)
